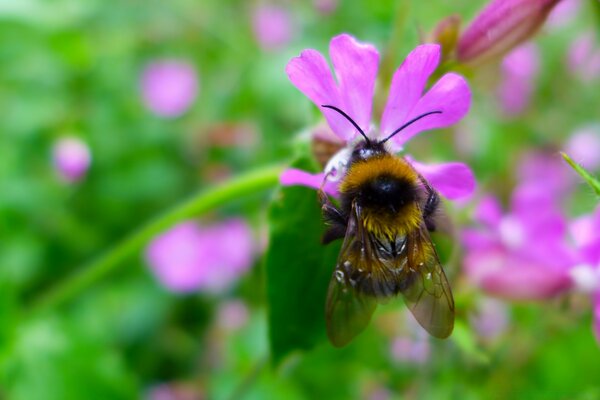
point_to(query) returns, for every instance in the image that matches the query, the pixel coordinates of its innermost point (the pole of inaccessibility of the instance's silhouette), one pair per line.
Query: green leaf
(298, 269)
(593, 182)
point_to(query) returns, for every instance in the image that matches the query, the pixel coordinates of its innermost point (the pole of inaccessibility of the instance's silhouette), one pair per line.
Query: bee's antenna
(412, 121)
(349, 119)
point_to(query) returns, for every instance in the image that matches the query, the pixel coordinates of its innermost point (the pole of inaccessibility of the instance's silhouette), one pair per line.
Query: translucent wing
(426, 290)
(348, 310)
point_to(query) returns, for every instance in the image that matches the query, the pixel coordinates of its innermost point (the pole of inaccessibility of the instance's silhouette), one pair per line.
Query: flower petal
(489, 211)
(450, 95)
(408, 84)
(311, 74)
(452, 180)
(356, 66)
(292, 177)
(510, 277)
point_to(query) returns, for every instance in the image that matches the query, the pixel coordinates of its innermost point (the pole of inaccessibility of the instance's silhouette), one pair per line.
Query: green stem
(201, 203)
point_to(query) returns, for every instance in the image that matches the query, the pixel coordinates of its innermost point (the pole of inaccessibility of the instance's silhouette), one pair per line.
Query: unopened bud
(446, 34)
(501, 26)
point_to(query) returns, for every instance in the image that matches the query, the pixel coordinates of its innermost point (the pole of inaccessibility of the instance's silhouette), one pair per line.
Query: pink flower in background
(585, 272)
(490, 319)
(583, 146)
(412, 346)
(71, 158)
(584, 57)
(564, 13)
(191, 257)
(519, 70)
(273, 27)
(501, 26)
(169, 87)
(522, 254)
(325, 7)
(546, 170)
(351, 90)
(232, 315)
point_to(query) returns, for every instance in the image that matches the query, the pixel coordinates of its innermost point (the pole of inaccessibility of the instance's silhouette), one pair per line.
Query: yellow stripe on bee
(364, 171)
(392, 225)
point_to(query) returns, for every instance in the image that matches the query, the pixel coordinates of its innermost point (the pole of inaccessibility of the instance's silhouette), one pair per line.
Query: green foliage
(589, 179)
(298, 268)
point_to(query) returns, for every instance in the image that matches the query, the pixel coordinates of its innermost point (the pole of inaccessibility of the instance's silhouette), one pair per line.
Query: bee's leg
(334, 218)
(431, 205)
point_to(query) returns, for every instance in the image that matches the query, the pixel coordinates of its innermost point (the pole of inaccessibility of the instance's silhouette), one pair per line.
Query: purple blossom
(564, 13)
(351, 89)
(169, 87)
(71, 158)
(491, 318)
(584, 57)
(519, 70)
(411, 347)
(585, 273)
(189, 257)
(583, 146)
(232, 315)
(273, 27)
(546, 170)
(522, 254)
(325, 7)
(501, 26)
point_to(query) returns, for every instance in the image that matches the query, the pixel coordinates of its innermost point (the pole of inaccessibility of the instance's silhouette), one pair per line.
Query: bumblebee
(385, 214)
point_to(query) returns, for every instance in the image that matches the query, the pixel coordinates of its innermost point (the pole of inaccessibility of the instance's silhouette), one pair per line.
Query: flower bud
(501, 26)
(446, 34)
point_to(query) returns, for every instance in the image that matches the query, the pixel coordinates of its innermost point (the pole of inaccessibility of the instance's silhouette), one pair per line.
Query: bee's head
(367, 149)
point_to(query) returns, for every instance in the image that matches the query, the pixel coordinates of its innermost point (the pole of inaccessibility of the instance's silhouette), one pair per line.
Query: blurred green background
(73, 68)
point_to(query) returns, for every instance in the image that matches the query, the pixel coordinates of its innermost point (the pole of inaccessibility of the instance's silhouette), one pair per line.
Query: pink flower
(518, 73)
(565, 12)
(520, 255)
(585, 273)
(547, 171)
(351, 89)
(491, 318)
(584, 57)
(232, 315)
(273, 27)
(325, 7)
(584, 146)
(72, 158)
(189, 257)
(411, 347)
(169, 87)
(500, 26)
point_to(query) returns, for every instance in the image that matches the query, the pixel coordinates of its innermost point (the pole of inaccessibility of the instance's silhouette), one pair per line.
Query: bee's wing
(426, 289)
(348, 311)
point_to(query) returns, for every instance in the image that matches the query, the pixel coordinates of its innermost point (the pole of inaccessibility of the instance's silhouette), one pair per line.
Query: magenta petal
(355, 67)
(408, 84)
(476, 239)
(489, 211)
(356, 70)
(310, 73)
(513, 278)
(450, 95)
(292, 177)
(452, 180)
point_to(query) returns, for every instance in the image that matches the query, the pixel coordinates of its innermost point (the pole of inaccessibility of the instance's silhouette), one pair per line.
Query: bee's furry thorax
(386, 188)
